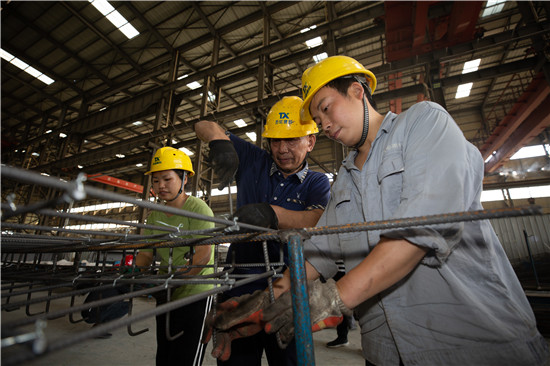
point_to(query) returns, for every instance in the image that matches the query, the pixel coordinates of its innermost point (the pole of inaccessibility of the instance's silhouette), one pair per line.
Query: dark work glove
(224, 161)
(235, 318)
(259, 214)
(325, 306)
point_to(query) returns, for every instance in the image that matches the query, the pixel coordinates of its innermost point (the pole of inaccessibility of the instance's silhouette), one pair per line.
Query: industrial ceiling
(114, 100)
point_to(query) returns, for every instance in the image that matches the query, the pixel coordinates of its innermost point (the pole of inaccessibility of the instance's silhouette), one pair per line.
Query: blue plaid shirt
(259, 180)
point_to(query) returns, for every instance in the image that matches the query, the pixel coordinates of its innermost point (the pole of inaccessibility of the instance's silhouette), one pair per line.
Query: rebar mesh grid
(34, 262)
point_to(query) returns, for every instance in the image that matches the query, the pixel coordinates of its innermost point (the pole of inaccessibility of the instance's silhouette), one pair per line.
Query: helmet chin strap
(365, 124)
(181, 188)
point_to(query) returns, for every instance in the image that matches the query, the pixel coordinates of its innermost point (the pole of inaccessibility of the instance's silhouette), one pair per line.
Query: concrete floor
(125, 350)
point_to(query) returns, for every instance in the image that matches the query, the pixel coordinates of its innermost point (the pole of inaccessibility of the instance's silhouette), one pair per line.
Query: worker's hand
(224, 161)
(325, 306)
(235, 318)
(259, 214)
(222, 346)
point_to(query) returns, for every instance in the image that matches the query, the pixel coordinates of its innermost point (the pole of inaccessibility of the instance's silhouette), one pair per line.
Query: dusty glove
(325, 306)
(235, 318)
(224, 161)
(259, 214)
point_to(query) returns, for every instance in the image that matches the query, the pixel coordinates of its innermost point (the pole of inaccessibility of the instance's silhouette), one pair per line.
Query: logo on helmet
(306, 89)
(286, 121)
(156, 160)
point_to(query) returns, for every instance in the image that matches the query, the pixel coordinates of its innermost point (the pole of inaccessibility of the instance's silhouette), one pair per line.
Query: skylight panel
(129, 31)
(115, 17)
(471, 66)
(530, 152)
(240, 122)
(103, 6)
(187, 151)
(20, 64)
(6, 55)
(308, 29)
(463, 90)
(493, 7)
(320, 57)
(34, 72)
(314, 42)
(26, 67)
(194, 85)
(251, 136)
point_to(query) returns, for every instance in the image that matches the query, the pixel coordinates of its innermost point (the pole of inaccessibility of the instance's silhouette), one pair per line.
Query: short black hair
(180, 173)
(343, 83)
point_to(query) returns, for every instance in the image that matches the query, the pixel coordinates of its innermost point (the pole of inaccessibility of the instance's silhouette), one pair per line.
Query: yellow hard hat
(283, 120)
(317, 76)
(167, 158)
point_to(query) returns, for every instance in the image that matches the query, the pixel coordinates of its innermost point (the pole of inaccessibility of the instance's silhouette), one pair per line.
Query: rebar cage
(42, 263)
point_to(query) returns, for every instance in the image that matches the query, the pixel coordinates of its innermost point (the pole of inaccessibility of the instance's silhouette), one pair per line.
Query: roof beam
(62, 47)
(527, 118)
(140, 141)
(103, 37)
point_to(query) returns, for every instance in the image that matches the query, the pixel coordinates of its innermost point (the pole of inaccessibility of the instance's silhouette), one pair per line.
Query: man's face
(340, 117)
(289, 154)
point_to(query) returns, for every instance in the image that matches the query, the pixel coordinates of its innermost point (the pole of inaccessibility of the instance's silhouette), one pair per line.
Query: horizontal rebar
(227, 283)
(76, 191)
(281, 235)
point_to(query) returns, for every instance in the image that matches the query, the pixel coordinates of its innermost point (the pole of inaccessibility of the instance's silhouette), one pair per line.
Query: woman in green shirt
(169, 171)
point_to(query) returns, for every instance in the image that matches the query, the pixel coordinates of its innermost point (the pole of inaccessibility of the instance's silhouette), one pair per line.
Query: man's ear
(312, 139)
(356, 90)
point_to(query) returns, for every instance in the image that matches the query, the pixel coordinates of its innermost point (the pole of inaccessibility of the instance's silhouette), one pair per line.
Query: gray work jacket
(463, 304)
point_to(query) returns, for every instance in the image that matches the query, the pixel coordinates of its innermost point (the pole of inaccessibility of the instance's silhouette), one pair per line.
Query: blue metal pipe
(300, 302)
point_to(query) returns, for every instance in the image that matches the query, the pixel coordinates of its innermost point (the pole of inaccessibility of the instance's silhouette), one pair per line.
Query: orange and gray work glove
(235, 318)
(258, 214)
(224, 160)
(325, 306)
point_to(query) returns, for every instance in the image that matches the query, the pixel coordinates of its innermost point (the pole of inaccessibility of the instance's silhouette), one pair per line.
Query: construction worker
(442, 294)
(275, 189)
(170, 168)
